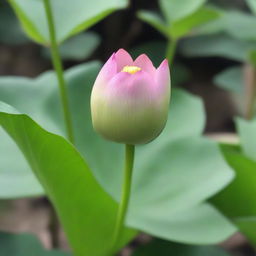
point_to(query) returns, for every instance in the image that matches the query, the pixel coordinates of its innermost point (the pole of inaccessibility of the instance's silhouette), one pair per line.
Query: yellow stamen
(131, 69)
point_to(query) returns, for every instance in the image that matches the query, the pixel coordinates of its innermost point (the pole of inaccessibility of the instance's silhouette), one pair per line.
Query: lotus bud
(130, 99)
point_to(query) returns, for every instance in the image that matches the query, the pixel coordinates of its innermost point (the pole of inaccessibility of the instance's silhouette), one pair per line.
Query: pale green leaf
(237, 201)
(24, 245)
(252, 5)
(231, 79)
(186, 25)
(78, 47)
(155, 21)
(175, 9)
(70, 17)
(247, 131)
(218, 45)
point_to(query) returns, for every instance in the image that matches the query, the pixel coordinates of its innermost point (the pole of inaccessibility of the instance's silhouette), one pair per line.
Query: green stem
(251, 96)
(170, 51)
(126, 189)
(56, 60)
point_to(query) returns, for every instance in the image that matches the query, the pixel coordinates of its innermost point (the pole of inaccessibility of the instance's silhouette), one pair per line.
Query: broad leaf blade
(77, 48)
(219, 45)
(71, 17)
(155, 21)
(252, 5)
(186, 25)
(79, 200)
(175, 9)
(16, 178)
(231, 79)
(24, 245)
(247, 131)
(237, 201)
(202, 224)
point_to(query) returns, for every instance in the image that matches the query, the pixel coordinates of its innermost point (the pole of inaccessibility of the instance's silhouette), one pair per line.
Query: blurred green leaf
(174, 10)
(247, 131)
(241, 25)
(70, 18)
(180, 27)
(184, 26)
(217, 46)
(175, 211)
(10, 30)
(78, 47)
(252, 5)
(237, 24)
(164, 248)
(24, 245)
(237, 201)
(68, 182)
(16, 179)
(155, 21)
(231, 79)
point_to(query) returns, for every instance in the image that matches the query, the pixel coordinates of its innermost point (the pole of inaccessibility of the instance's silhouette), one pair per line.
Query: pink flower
(130, 99)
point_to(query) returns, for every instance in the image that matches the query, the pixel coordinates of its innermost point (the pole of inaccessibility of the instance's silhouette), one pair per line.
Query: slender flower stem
(56, 60)
(126, 189)
(170, 51)
(251, 95)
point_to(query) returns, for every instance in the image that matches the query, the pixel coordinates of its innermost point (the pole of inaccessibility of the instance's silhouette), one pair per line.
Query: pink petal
(137, 88)
(123, 58)
(163, 77)
(108, 70)
(145, 64)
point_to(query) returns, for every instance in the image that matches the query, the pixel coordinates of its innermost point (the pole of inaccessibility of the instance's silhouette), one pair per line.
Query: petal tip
(165, 62)
(122, 51)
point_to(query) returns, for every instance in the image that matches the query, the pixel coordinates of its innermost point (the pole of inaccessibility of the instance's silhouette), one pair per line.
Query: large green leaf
(10, 31)
(178, 202)
(16, 179)
(252, 5)
(155, 21)
(24, 245)
(78, 47)
(231, 79)
(27, 95)
(78, 198)
(70, 17)
(237, 201)
(184, 26)
(164, 248)
(175, 9)
(216, 45)
(238, 24)
(202, 224)
(181, 27)
(247, 132)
